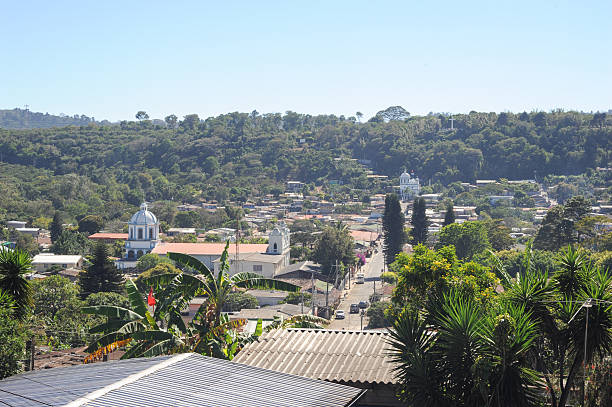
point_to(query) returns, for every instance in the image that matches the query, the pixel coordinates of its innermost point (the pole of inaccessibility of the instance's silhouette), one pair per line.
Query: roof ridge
(126, 380)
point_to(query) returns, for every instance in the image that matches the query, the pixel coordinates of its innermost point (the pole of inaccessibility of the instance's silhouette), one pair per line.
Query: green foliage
(25, 242)
(389, 277)
(150, 260)
(449, 215)
(513, 261)
(161, 268)
(91, 224)
(71, 242)
(393, 228)
(419, 222)
(296, 298)
(333, 244)
(468, 238)
(52, 294)
(559, 225)
(14, 266)
(376, 315)
(483, 351)
(12, 338)
(498, 235)
(108, 298)
(102, 275)
(56, 227)
(239, 300)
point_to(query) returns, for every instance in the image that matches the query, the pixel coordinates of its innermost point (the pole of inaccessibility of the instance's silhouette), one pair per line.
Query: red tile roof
(110, 236)
(209, 249)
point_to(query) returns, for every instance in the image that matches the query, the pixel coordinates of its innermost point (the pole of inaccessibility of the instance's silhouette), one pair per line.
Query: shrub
(376, 314)
(389, 277)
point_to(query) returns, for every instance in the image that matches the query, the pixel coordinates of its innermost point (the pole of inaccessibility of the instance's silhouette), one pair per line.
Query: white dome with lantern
(143, 236)
(143, 216)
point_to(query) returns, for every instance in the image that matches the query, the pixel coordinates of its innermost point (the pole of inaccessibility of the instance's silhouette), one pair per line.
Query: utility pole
(362, 315)
(301, 291)
(312, 289)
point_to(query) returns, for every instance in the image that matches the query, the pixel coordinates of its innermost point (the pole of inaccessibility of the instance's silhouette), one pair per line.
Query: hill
(96, 168)
(25, 119)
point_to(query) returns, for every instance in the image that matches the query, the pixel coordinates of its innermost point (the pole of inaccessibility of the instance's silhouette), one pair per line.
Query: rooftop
(56, 258)
(336, 356)
(206, 249)
(110, 236)
(186, 379)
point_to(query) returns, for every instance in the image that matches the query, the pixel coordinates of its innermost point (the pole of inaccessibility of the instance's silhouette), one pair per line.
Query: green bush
(296, 298)
(237, 301)
(376, 314)
(389, 277)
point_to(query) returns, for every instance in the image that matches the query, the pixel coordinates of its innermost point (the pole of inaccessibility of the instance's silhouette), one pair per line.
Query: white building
(409, 186)
(143, 236)
(45, 261)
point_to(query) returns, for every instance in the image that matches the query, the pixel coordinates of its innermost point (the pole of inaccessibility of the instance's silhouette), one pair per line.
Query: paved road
(359, 292)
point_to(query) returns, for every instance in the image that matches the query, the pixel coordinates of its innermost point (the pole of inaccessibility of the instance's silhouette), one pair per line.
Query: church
(409, 186)
(266, 259)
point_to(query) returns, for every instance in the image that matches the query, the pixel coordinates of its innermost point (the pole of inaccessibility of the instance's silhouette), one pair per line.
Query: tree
(239, 300)
(24, 242)
(12, 338)
(468, 238)
(71, 242)
(163, 331)
(150, 260)
(52, 294)
(559, 225)
(393, 228)
(498, 235)
(449, 215)
(161, 268)
(188, 219)
(419, 221)
(102, 275)
(461, 354)
(14, 266)
(91, 224)
(376, 315)
(142, 115)
(333, 245)
(56, 227)
(171, 121)
(190, 122)
(359, 116)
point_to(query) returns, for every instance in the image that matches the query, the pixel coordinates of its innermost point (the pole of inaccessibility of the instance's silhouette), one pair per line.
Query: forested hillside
(240, 156)
(25, 119)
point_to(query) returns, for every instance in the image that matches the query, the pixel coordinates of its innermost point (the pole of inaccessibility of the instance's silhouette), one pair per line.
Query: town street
(360, 292)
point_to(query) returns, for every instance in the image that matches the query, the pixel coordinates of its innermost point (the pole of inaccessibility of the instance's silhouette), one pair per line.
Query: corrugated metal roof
(182, 380)
(331, 355)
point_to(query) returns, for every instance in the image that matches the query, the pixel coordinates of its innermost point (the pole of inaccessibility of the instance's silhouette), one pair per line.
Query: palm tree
(164, 331)
(217, 288)
(460, 354)
(14, 265)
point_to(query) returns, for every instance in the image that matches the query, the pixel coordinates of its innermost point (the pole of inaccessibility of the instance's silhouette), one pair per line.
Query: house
(187, 380)
(180, 231)
(294, 186)
(207, 253)
(34, 232)
(15, 224)
(356, 358)
(268, 265)
(45, 261)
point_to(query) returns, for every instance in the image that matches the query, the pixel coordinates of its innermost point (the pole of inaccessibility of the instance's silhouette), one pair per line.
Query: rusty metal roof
(331, 355)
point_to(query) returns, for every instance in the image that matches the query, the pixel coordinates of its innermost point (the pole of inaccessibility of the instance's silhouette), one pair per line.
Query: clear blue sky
(109, 59)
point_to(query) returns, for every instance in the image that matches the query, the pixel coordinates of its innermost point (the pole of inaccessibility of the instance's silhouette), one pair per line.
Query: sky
(109, 59)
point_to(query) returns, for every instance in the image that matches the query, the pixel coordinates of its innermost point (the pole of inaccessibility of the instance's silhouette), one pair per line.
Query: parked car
(363, 304)
(340, 314)
(354, 309)
(360, 278)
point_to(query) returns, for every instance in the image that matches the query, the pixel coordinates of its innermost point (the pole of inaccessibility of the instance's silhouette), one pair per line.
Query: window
(140, 233)
(151, 233)
(64, 265)
(275, 248)
(257, 267)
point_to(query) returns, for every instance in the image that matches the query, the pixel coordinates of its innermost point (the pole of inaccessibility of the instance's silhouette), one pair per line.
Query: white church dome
(143, 217)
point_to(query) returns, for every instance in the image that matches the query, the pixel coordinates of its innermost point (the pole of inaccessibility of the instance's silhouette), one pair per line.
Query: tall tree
(419, 221)
(393, 228)
(333, 244)
(171, 121)
(449, 216)
(142, 115)
(14, 265)
(102, 275)
(468, 238)
(71, 242)
(91, 224)
(56, 227)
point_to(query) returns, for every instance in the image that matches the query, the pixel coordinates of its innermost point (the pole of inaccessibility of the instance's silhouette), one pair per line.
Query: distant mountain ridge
(25, 119)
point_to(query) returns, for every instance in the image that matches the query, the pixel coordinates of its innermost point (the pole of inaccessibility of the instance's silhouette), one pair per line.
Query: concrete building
(45, 261)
